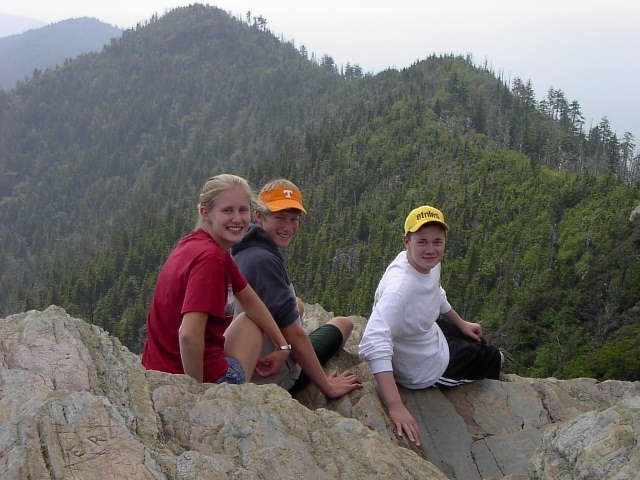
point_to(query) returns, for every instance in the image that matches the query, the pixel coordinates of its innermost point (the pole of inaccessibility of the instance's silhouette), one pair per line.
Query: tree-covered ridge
(139, 126)
(521, 256)
(102, 161)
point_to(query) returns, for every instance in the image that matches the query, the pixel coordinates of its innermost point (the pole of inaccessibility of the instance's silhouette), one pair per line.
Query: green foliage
(619, 358)
(103, 159)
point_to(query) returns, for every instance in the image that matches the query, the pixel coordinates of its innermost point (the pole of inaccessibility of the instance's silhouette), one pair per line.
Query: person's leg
(243, 341)
(300, 306)
(345, 325)
(469, 360)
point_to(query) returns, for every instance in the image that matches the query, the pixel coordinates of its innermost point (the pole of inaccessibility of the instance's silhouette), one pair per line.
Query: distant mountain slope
(15, 25)
(48, 46)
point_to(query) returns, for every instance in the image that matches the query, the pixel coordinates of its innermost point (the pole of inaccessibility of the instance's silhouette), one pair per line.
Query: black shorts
(326, 340)
(469, 360)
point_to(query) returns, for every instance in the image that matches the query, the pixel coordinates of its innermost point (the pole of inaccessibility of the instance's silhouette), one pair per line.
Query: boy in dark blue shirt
(260, 260)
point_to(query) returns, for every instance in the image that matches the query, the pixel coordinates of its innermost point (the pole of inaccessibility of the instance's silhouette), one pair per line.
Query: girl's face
(229, 218)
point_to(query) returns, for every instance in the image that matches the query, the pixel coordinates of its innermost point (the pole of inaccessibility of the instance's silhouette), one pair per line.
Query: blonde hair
(278, 183)
(217, 185)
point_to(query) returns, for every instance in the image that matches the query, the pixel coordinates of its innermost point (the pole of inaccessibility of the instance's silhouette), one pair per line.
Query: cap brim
(277, 205)
(419, 225)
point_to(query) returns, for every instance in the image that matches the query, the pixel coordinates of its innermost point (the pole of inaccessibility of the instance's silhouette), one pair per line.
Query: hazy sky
(589, 49)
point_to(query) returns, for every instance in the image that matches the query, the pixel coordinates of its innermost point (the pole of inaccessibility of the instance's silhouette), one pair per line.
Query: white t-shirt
(402, 335)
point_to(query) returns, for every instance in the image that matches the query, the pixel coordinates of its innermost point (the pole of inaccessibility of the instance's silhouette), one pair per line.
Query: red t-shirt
(197, 277)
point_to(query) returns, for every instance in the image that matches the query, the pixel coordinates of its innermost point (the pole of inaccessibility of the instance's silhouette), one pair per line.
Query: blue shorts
(235, 372)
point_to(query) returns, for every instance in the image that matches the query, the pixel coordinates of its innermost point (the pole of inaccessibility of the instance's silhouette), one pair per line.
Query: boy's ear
(258, 216)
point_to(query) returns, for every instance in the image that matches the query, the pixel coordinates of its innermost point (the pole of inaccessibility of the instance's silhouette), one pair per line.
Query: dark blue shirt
(262, 264)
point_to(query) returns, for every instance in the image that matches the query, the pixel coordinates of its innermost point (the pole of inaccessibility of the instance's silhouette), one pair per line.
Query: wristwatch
(283, 347)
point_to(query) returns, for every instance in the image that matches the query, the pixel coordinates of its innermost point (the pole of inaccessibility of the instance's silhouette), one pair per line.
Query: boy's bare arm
(334, 386)
(400, 416)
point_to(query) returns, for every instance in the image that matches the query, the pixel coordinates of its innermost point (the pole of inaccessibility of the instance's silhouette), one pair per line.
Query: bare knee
(345, 325)
(243, 341)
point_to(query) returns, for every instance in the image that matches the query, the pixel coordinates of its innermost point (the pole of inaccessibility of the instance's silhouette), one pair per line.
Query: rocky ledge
(74, 403)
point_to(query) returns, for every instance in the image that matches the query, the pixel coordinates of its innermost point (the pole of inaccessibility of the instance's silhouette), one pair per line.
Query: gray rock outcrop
(514, 428)
(74, 403)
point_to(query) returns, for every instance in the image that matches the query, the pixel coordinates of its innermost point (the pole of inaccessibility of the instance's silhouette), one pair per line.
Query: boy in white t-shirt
(406, 341)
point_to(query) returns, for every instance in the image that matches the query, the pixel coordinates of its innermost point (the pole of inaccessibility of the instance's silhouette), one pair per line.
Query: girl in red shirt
(192, 305)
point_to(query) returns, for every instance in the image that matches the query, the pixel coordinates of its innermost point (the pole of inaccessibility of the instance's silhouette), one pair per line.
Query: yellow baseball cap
(280, 198)
(422, 215)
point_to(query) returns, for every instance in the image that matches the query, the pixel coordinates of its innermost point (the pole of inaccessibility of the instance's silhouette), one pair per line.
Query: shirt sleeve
(445, 306)
(376, 345)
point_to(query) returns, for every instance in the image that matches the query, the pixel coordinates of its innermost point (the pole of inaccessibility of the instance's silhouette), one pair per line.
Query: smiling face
(425, 248)
(229, 217)
(281, 226)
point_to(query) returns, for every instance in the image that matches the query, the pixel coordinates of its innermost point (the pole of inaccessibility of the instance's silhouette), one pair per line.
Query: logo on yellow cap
(421, 216)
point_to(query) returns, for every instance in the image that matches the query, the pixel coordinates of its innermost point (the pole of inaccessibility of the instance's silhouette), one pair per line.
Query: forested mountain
(51, 45)
(102, 161)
